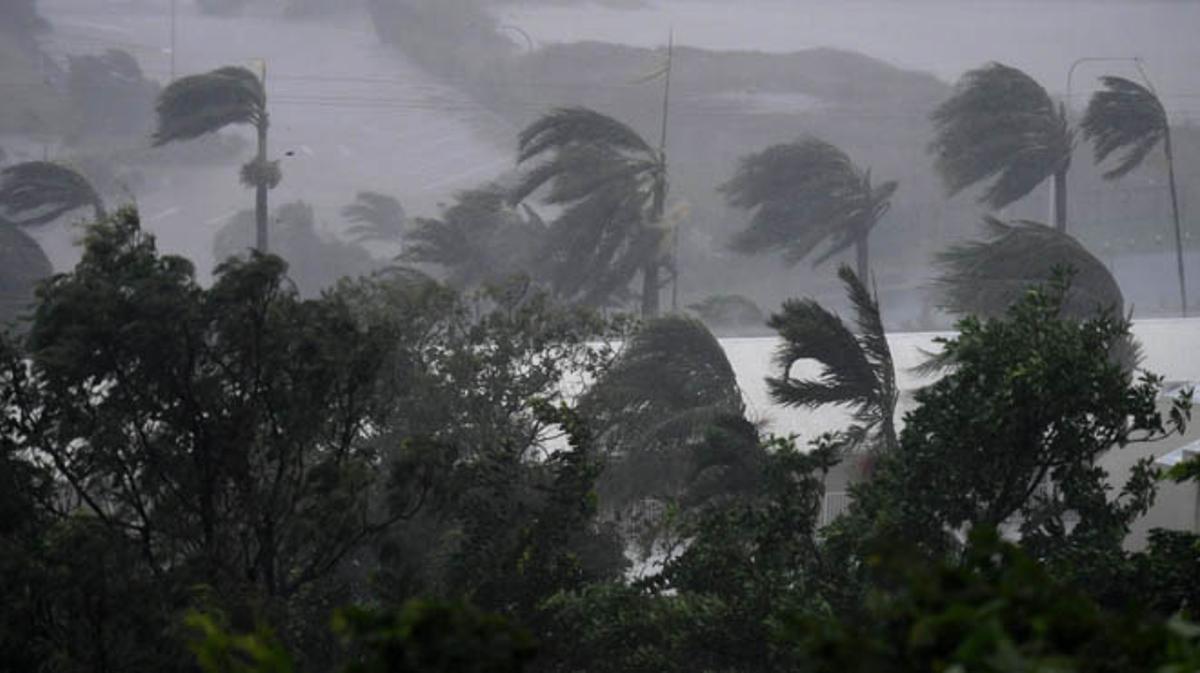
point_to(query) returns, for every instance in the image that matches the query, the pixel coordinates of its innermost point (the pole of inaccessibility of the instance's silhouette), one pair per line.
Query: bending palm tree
(39, 192)
(985, 277)
(377, 217)
(200, 104)
(1126, 116)
(23, 264)
(655, 411)
(478, 239)
(805, 193)
(857, 369)
(1001, 125)
(613, 187)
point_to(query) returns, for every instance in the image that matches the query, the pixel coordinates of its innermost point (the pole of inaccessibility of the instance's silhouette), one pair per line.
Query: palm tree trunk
(1060, 199)
(650, 271)
(862, 257)
(1175, 214)
(260, 192)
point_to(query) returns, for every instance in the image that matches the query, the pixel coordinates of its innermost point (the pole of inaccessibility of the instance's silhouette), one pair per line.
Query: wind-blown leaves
(985, 277)
(856, 369)
(22, 264)
(1000, 124)
(802, 194)
(1124, 116)
(669, 387)
(195, 105)
(611, 185)
(38, 192)
(578, 125)
(478, 239)
(377, 217)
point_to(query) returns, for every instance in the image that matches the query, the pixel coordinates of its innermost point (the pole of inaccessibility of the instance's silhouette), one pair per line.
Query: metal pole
(173, 14)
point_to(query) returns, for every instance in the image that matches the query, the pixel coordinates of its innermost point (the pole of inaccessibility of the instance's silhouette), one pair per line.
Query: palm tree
(655, 410)
(377, 217)
(1001, 125)
(1128, 117)
(200, 104)
(478, 239)
(984, 277)
(805, 193)
(857, 369)
(613, 187)
(39, 192)
(23, 264)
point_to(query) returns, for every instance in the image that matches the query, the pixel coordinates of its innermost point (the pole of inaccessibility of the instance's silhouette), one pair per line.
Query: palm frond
(38, 192)
(857, 370)
(984, 277)
(803, 194)
(577, 126)
(377, 217)
(199, 104)
(23, 264)
(1124, 116)
(999, 125)
(607, 179)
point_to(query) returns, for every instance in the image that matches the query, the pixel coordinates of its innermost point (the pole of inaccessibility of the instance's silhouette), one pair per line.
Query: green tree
(38, 192)
(653, 408)
(997, 609)
(23, 264)
(856, 368)
(1012, 435)
(1129, 118)
(612, 185)
(479, 239)
(985, 277)
(376, 217)
(805, 193)
(222, 431)
(197, 105)
(1001, 125)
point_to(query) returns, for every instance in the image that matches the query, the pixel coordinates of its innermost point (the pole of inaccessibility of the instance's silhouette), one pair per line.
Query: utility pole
(662, 152)
(173, 15)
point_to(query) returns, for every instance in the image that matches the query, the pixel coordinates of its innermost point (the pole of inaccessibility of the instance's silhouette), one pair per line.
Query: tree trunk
(650, 272)
(650, 289)
(1060, 199)
(1175, 214)
(862, 258)
(260, 192)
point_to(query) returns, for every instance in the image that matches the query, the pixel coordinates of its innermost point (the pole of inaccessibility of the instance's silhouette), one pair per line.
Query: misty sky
(355, 115)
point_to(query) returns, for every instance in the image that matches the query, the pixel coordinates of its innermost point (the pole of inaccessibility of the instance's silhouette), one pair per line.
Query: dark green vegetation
(463, 465)
(216, 473)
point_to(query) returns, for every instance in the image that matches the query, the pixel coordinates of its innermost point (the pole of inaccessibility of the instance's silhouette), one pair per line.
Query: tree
(200, 104)
(805, 193)
(376, 217)
(1001, 124)
(654, 410)
(38, 192)
(985, 277)
(612, 186)
(479, 239)
(994, 609)
(223, 433)
(1030, 404)
(316, 260)
(857, 369)
(1129, 118)
(23, 264)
